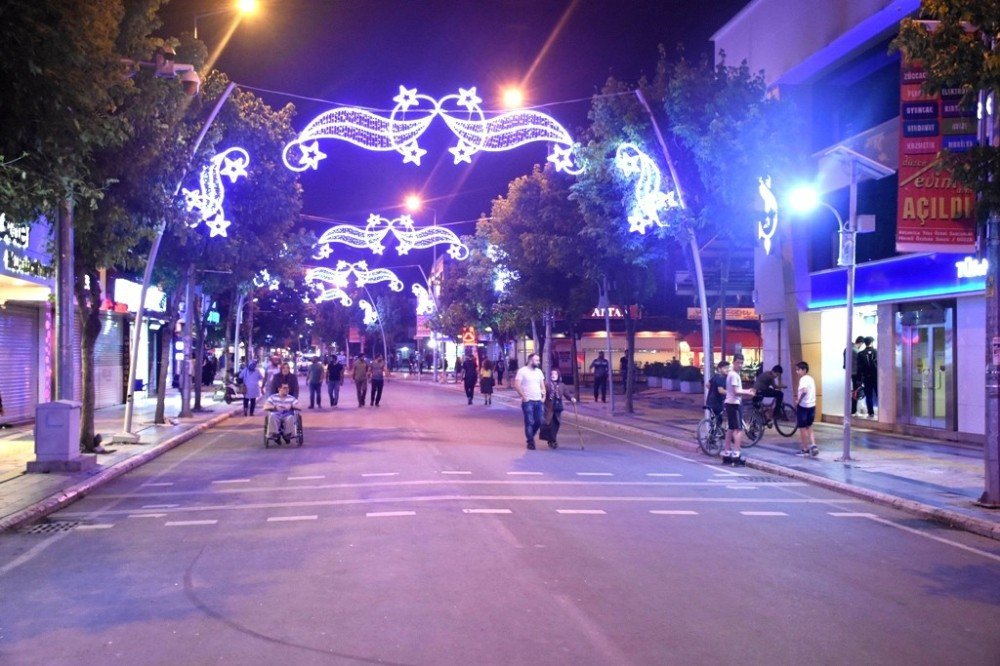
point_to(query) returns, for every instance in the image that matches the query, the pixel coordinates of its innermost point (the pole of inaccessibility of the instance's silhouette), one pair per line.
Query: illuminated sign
(614, 312)
(14, 234)
(469, 335)
(769, 225)
(22, 265)
(732, 314)
(970, 268)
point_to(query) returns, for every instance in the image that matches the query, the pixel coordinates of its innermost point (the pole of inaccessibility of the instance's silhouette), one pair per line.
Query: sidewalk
(936, 480)
(27, 497)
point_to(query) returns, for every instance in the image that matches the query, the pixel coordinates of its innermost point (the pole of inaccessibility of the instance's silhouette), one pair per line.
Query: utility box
(57, 439)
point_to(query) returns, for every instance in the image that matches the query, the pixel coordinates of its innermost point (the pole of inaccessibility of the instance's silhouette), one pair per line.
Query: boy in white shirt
(731, 454)
(805, 409)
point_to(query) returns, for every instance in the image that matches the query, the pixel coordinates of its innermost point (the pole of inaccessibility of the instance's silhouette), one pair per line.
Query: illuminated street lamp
(242, 7)
(414, 204)
(513, 97)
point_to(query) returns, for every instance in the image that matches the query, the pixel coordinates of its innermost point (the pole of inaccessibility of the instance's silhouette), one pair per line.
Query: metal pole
(607, 339)
(385, 347)
(848, 235)
(64, 301)
(236, 336)
(989, 133)
(127, 436)
(188, 340)
(430, 287)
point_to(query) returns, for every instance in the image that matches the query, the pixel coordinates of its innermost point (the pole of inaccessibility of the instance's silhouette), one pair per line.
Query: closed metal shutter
(77, 348)
(19, 363)
(108, 367)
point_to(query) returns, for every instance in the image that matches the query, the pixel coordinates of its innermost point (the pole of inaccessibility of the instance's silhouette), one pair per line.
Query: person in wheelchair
(768, 385)
(281, 417)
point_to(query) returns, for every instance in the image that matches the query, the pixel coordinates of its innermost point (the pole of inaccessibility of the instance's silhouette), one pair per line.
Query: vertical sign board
(935, 214)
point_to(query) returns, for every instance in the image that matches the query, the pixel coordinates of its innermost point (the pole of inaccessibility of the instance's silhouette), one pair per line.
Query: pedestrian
(282, 406)
(855, 374)
(334, 378)
(555, 393)
(768, 385)
(315, 379)
(600, 367)
(285, 376)
(486, 382)
(731, 453)
(376, 372)
(805, 409)
(272, 369)
(530, 386)
(469, 372)
(512, 369)
(868, 369)
(717, 390)
(252, 379)
(360, 375)
(498, 369)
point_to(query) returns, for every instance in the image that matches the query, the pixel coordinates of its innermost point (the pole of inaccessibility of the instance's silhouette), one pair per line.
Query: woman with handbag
(555, 393)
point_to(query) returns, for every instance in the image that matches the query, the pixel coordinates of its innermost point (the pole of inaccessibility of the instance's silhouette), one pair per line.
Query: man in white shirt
(805, 409)
(530, 385)
(734, 399)
(281, 419)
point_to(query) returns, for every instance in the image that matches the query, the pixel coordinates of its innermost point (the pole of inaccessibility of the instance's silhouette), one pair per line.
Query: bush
(655, 369)
(690, 373)
(672, 370)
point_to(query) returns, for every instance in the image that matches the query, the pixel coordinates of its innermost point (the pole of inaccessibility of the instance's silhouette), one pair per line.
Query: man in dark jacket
(469, 374)
(868, 369)
(855, 374)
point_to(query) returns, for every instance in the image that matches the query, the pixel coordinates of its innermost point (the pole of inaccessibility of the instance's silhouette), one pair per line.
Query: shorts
(733, 417)
(804, 416)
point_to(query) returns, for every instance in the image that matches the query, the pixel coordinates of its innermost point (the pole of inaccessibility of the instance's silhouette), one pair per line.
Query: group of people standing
(864, 373)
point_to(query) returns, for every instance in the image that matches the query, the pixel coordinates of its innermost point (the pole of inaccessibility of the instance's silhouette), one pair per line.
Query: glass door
(924, 367)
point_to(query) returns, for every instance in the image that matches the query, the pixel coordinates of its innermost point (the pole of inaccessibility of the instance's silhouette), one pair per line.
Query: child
(805, 409)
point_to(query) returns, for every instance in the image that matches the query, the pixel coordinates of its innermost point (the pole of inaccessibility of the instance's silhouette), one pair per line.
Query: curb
(986, 528)
(79, 491)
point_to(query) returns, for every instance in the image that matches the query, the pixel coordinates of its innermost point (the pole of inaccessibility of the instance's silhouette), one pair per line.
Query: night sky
(360, 52)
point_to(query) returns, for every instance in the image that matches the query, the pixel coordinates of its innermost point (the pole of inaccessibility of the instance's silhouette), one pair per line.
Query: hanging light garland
(400, 132)
(769, 225)
(648, 199)
(371, 314)
(337, 280)
(208, 198)
(407, 236)
(425, 304)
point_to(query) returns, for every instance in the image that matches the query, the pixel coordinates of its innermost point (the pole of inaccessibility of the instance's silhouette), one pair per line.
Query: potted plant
(654, 374)
(671, 376)
(691, 379)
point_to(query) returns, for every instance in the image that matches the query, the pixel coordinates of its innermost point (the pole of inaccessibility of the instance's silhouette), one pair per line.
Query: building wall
(970, 329)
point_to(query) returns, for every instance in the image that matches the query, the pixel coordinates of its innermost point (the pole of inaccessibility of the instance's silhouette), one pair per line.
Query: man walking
(315, 383)
(334, 377)
(868, 369)
(530, 386)
(600, 367)
(731, 453)
(360, 375)
(855, 372)
(377, 374)
(469, 376)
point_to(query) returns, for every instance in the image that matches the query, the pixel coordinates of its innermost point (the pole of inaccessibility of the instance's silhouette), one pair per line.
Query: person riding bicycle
(717, 389)
(768, 385)
(281, 420)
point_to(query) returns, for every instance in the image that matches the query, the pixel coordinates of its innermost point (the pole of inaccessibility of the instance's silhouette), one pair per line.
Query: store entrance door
(924, 367)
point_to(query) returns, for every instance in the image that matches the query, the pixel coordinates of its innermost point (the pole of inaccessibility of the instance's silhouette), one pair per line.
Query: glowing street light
(414, 203)
(241, 7)
(513, 97)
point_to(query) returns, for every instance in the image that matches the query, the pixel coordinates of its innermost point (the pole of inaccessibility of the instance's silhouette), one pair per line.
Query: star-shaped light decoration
(468, 98)
(323, 252)
(412, 152)
(217, 226)
(233, 169)
(406, 98)
(561, 157)
(311, 155)
(462, 152)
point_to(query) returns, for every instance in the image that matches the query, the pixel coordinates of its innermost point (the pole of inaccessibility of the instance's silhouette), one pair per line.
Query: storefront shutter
(108, 365)
(19, 363)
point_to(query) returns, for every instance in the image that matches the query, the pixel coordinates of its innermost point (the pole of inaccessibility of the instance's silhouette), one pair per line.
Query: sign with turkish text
(353, 335)
(423, 327)
(732, 314)
(935, 214)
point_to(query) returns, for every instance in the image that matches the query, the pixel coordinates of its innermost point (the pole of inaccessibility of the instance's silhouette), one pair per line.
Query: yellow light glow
(513, 98)
(413, 203)
(247, 6)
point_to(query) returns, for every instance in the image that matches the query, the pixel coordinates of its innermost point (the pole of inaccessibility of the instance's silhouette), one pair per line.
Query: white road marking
(159, 506)
(95, 526)
(185, 523)
(382, 474)
(232, 481)
(883, 521)
(763, 513)
(146, 515)
(849, 514)
(487, 511)
(389, 514)
(288, 519)
(157, 484)
(454, 472)
(743, 487)
(664, 512)
(594, 474)
(662, 474)
(307, 478)
(524, 473)
(583, 512)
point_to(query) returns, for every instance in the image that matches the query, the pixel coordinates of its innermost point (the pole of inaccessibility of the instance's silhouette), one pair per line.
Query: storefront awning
(746, 339)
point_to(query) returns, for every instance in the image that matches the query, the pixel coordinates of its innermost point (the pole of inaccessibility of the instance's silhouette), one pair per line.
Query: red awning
(746, 339)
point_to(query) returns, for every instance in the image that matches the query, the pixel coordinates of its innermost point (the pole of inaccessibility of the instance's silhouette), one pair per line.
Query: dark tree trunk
(199, 346)
(89, 311)
(576, 368)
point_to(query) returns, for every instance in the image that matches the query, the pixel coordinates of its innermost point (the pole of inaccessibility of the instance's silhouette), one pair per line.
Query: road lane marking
(582, 512)
(763, 513)
(883, 521)
(454, 472)
(743, 487)
(157, 484)
(186, 523)
(95, 526)
(382, 474)
(288, 519)
(389, 514)
(307, 478)
(232, 481)
(662, 474)
(159, 506)
(487, 511)
(666, 512)
(594, 474)
(146, 515)
(849, 514)
(524, 473)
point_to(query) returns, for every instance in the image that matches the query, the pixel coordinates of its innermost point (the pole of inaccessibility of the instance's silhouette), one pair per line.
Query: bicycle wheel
(709, 440)
(785, 422)
(753, 428)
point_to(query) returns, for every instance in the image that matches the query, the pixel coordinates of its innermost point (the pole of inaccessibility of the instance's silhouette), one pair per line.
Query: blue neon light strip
(907, 278)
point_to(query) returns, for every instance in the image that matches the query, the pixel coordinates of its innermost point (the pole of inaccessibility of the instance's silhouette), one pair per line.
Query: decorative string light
(264, 279)
(425, 304)
(769, 225)
(338, 280)
(371, 315)
(407, 236)
(400, 132)
(502, 276)
(208, 198)
(648, 199)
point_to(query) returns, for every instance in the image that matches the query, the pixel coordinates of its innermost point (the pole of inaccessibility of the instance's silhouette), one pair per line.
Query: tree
(960, 49)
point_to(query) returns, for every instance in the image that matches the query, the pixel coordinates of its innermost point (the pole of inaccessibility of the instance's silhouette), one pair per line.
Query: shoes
(553, 444)
(376, 404)
(531, 446)
(311, 407)
(725, 457)
(802, 453)
(738, 460)
(814, 451)
(244, 412)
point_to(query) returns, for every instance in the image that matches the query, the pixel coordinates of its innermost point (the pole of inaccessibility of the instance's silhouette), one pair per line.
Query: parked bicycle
(711, 433)
(763, 416)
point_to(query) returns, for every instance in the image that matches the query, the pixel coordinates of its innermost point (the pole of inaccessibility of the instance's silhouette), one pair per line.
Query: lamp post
(430, 290)
(805, 199)
(243, 7)
(415, 204)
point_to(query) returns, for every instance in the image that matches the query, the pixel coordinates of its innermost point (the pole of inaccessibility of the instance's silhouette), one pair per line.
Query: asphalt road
(423, 532)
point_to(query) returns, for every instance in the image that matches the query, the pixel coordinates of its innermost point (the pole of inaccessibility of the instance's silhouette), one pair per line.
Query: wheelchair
(279, 438)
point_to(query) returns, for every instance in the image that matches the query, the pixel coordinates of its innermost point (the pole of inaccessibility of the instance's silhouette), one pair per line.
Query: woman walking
(252, 380)
(486, 382)
(555, 393)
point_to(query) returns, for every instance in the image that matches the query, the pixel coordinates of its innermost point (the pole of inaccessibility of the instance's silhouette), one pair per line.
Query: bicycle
(711, 434)
(783, 420)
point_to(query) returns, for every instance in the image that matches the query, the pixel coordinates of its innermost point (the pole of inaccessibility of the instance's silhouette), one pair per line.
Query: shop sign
(22, 265)
(732, 314)
(14, 234)
(935, 214)
(354, 335)
(970, 269)
(469, 336)
(423, 327)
